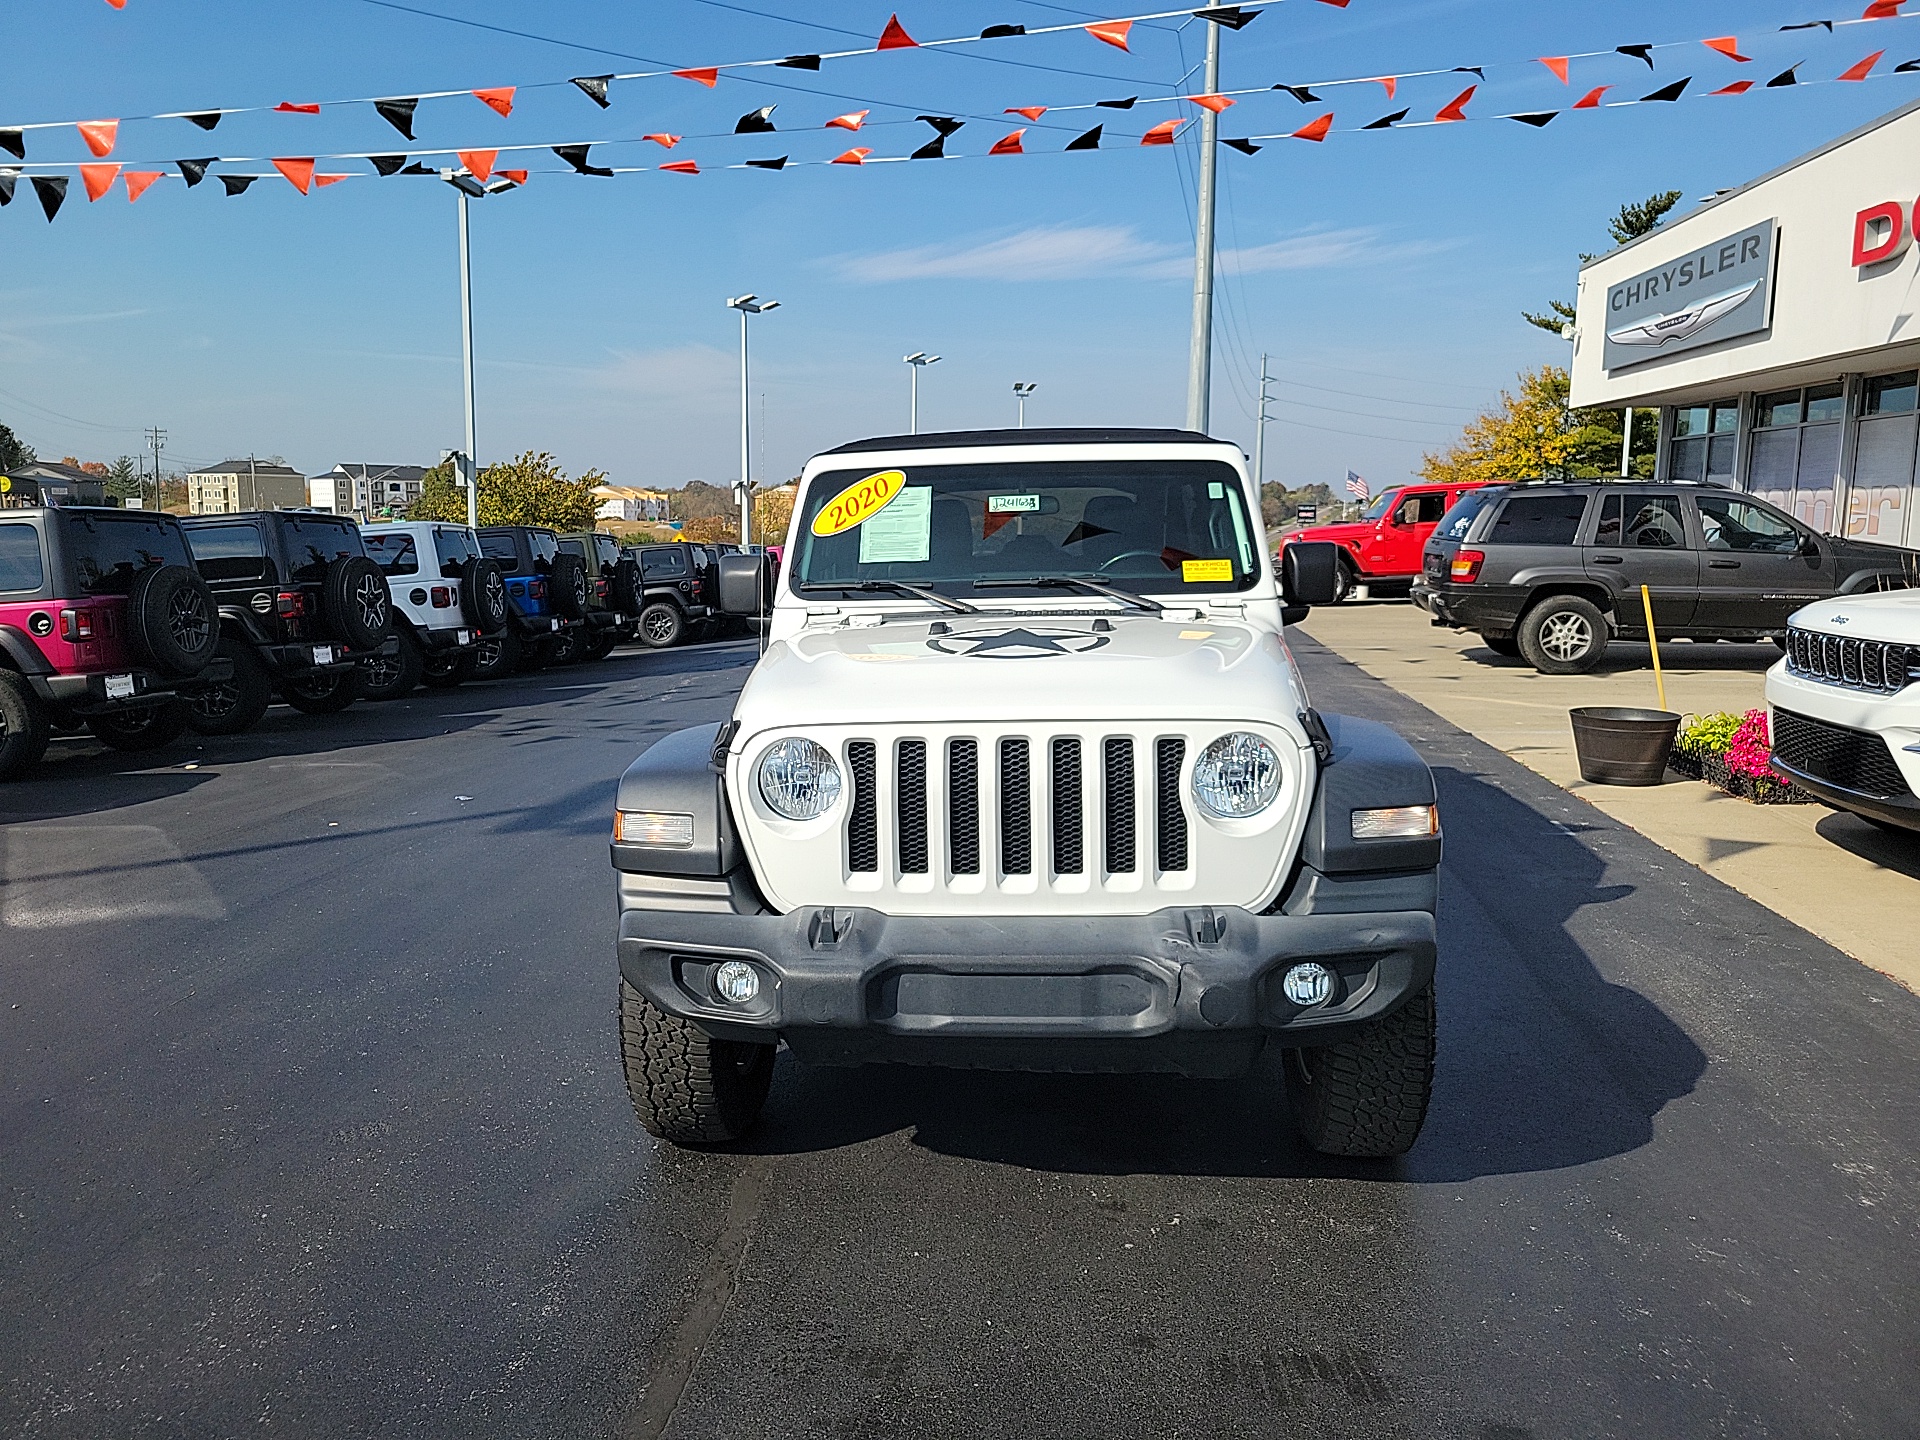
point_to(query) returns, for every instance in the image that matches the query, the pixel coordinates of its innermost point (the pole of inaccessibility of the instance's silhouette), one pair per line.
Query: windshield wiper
(921, 592)
(1084, 582)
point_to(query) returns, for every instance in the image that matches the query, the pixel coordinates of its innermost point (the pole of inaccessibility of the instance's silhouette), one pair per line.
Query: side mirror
(1309, 572)
(746, 585)
(1809, 546)
(1294, 614)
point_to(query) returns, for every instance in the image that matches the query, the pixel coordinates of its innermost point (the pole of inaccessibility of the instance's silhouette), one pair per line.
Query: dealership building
(1776, 328)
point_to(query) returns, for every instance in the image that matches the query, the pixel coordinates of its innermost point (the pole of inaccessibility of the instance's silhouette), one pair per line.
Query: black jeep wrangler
(547, 590)
(611, 620)
(103, 624)
(302, 608)
(671, 590)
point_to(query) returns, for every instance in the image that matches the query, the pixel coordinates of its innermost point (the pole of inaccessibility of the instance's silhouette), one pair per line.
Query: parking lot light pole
(747, 305)
(1260, 429)
(1021, 390)
(918, 361)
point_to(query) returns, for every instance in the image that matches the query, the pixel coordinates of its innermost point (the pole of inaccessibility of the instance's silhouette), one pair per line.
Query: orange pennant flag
(118, 4)
(852, 120)
(1738, 87)
(1162, 134)
(1557, 64)
(138, 181)
(330, 179)
(479, 162)
(855, 156)
(1215, 103)
(1591, 100)
(299, 173)
(518, 177)
(664, 140)
(1729, 46)
(682, 167)
(498, 99)
(1032, 112)
(708, 77)
(1315, 129)
(1392, 82)
(98, 179)
(1455, 109)
(1114, 32)
(99, 135)
(895, 36)
(1883, 10)
(1009, 144)
(288, 107)
(1863, 69)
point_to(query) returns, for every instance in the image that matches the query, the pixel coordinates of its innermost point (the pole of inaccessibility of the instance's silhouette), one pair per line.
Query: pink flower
(1751, 750)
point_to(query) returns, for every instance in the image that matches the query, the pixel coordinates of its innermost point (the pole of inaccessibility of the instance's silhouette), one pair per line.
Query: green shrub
(1708, 734)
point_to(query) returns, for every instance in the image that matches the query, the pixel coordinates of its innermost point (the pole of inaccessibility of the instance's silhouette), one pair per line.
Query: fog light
(736, 981)
(1401, 822)
(1308, 984)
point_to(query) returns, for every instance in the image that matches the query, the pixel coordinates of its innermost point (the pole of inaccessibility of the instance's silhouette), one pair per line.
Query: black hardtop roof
(958, 439)
(26, 512)
(543, 529)
(193, 522)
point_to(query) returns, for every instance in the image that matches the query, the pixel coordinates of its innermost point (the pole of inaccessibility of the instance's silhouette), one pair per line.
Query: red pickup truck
(1381, 549)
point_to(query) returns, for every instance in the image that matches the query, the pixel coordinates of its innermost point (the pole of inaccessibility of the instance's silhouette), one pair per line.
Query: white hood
(1892, 616)
(1013, 666)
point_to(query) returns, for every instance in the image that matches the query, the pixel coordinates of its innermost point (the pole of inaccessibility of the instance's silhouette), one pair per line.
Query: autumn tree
(1532, 435)
(711, 529)
(1630, 223)
(531, 489)
(772, 513)
(14, 452)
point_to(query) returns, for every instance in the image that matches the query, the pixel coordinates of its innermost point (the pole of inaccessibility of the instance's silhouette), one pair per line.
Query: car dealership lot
(315, 1125)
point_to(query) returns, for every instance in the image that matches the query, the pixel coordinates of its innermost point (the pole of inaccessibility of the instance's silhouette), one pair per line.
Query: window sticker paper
(1013, 504)
(859, 502)
(902, 532)
(1196, 572)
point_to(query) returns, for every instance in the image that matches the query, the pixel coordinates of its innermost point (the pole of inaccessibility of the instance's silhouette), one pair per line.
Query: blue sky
(1383, 271)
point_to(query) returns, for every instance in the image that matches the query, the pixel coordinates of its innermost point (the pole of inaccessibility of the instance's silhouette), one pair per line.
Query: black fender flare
(22, 654)
(678, 774)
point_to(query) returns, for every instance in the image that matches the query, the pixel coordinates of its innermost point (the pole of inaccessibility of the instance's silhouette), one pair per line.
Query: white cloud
(1079, 252)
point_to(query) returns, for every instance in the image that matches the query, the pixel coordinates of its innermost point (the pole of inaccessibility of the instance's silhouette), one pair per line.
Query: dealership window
(1703, 441)
(1795, 457)
(1880, 501)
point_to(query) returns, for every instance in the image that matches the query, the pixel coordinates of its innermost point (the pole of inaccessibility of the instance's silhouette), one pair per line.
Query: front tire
(1563, 635)
(389, 677)
(24, 728)
(1367, 1095)
(233, 705)
(688, 1088)
(1344, 580)
(662, 626)
(146, 728)
(322, 693)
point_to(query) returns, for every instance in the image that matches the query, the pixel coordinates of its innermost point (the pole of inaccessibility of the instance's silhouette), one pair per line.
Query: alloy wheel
(188, 621)
(1566, 637)
(372, 600)
(659, 627)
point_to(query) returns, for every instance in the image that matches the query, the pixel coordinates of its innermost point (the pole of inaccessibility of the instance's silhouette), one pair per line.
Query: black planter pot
(1619, 745)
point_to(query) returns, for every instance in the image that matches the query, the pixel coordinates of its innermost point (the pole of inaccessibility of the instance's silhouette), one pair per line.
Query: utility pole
(1200, 345)
(1260, 430)
(466, 367)
(156, 441)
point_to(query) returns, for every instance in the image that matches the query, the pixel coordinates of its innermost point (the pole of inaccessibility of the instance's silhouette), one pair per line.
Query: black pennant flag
(237, 184)
(193, 171)
(397, 113)
(1470, 70)
(1231, 16)
(1386, 122)
(799, 62)
(388, 164)
(1126, 104)
(1300, 93)
(576, 156)
(755, 122)
(934, 149)
(416, 168)
(206, 120)
(1826, 25)
(1537, 119)
(14, 142)
(1905, 66)
(945, 124)
(52, 190)
(7, 177)
(1668, 92)
(1639, 52)
(1245, 147)
(1088, 141)
(594, 87)
(779, 164)
(1785, 77)
(1001, 32)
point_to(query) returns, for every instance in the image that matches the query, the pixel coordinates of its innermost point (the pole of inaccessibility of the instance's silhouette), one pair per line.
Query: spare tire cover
(567, 586)
(354, 602)
(173, 621)
(483, 595)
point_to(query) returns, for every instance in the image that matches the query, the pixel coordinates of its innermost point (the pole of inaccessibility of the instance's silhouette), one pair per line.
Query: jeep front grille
(1016, 809)
(1857, 664)
(1118, 798)
(1855, 760)
(913, 807)
(863, 824)
(963, 807)
(1170, 821)
(1069, 854)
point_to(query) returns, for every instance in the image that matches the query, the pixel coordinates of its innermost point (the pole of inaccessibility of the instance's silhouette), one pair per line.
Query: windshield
(1458, 520)
(1138, 525)
(1378, 506)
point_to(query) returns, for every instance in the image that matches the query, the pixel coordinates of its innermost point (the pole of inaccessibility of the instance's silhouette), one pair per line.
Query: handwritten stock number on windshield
(859, 502)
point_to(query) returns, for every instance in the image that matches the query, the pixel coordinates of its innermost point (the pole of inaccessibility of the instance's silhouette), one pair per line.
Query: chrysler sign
(1713, 293)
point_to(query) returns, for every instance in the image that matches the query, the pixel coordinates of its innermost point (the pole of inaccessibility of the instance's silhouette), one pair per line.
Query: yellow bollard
(1653, 646)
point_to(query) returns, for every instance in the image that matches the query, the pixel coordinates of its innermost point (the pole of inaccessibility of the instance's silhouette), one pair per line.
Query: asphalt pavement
(311, 1123)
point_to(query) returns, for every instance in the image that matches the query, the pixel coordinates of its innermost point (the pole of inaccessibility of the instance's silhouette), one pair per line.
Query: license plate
(553, 624)
(323, 654)
(119, 687)
(463, 637)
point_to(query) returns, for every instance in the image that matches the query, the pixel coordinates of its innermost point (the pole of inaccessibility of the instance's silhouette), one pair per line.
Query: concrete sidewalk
(1832, 874)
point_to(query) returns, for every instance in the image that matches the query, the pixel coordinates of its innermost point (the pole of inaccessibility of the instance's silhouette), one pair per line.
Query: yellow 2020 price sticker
(859, 502)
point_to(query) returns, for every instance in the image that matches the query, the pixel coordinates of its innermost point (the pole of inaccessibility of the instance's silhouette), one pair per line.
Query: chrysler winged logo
(1020, 643)
(1836, 619)
(1682, 324)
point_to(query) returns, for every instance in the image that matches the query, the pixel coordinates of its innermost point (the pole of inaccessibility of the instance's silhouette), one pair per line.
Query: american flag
(1357, 487)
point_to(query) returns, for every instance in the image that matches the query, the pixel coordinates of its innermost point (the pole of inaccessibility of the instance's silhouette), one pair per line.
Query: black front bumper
(1193, 990)
(1901, 810)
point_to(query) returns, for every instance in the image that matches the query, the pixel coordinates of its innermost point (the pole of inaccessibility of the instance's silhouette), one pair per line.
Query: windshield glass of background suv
(313, 544)
(502, 548)
(104, 552)
(392, 550)
(228, 552)
(1139, 525)
(1457, 521)
(544, 548)
(1539, 519)
(1378, 506)
(455, 548)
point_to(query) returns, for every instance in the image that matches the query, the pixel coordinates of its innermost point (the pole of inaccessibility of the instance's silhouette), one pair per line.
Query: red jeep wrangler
(1382, 549)
(104, 623)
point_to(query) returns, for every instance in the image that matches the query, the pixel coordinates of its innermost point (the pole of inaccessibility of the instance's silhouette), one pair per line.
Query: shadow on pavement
(1889, 850)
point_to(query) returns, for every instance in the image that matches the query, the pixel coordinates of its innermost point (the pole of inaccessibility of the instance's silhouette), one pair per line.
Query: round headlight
(1236, 776)
(798, 779)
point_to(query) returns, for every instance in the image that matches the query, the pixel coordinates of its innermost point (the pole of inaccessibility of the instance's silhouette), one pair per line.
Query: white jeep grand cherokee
(1846, 705)
(1026, 779)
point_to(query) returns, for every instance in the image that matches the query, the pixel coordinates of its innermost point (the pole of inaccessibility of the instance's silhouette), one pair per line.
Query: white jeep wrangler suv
(1027, 779)
(1846, 705)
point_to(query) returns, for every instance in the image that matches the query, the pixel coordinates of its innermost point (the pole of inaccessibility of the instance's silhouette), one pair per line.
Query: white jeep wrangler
(1027, 779)
(447, 597)
(1846, 705)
